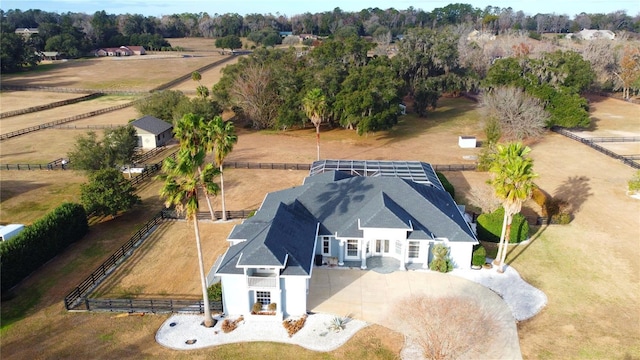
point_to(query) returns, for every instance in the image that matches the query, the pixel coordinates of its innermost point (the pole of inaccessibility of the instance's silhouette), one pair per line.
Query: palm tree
(512, 181)
(201, 90)
(314, 107)
(222, 135)
(183, 177)
(192, 133)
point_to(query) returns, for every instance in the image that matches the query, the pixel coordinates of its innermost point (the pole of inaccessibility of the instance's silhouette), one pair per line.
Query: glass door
(382, 247)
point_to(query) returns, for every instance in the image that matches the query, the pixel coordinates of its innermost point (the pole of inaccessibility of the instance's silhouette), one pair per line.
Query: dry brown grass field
(37, 118)
(109, 73)
(588, 269)
(16, 100)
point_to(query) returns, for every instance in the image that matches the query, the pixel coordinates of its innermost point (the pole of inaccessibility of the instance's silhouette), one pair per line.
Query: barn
(152, 132)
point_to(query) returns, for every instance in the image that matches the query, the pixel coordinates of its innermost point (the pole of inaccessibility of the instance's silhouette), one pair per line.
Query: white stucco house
(152, 132)
(345, 212)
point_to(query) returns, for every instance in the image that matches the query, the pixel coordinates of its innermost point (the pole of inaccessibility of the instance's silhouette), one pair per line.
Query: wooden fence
(26, 167)
(151, 305)
(62, 121)
(271, 166)
(589, 142)
(49, 106)
(71, 90)
(79, 294)
(188, 76)
(150, 170)
(205, 215)
(455, 167)
(141, 158)
(89, 127)
(615, 139)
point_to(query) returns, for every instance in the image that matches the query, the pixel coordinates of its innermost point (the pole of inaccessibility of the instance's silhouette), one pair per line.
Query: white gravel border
(524, 300)
(314, 335)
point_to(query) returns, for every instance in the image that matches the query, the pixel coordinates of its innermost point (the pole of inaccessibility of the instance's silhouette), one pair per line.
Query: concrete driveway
(371, 296)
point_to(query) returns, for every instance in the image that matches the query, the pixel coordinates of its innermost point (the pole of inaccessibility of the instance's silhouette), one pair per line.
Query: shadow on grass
(522, 250)
(574, 190)
(11, 188)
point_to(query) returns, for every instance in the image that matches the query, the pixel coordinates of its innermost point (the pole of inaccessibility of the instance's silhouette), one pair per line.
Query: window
(352, 248)
(326, 245)
(399, 247)
(263, 297)
(414, 249)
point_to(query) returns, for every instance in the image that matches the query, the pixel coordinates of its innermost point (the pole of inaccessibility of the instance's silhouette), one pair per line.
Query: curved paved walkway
(371, 296)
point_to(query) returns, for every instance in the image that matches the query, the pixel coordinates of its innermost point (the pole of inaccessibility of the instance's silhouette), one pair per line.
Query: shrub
(535, 35)
(229, 325)
(486, 156)
(273, 307)
(41, 242)
(441, 265)
(479, 256)
(562, 218)
(490, 227)
(338, 323)
(257, 307)
(492, 131)
(441, 261)
(446, 184)
(634, 183)
(293, 326)
(215, 292)
(538, 196)
(551, 207)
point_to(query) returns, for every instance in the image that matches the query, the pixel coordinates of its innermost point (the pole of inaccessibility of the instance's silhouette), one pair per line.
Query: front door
(382, 247)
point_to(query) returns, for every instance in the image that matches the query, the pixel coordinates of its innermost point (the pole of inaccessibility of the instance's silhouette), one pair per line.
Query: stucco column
(425, 263)
(403, 254)
(363, 254)
(341, 253)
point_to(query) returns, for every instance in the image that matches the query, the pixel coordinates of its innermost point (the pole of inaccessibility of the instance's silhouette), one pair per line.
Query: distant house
(308, 36)
(345, 212)
(137, 50)
(152, 132)
(284, 34)
(49, 55)
(587, 34)
(476, 35)
(120, 51)
(27, 31)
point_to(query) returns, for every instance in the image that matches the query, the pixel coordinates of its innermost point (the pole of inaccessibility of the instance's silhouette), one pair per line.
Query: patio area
(381, 265)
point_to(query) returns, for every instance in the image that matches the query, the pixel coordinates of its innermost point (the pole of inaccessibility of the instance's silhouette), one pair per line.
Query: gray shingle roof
(151, 124)
(282, 241)
(340, 204)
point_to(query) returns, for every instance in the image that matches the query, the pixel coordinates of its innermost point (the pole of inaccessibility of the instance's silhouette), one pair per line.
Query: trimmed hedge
(41, 242)
(479, 256)
(490, 227)
(446, 184)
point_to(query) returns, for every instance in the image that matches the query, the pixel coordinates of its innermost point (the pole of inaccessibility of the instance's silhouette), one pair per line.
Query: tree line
(364, 92)
(365, 22)
(76, 34)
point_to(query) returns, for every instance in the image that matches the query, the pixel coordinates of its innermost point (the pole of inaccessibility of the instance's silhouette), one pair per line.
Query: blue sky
(293, 7)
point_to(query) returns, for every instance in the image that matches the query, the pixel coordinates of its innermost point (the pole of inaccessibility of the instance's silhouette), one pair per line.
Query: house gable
(279, 242)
